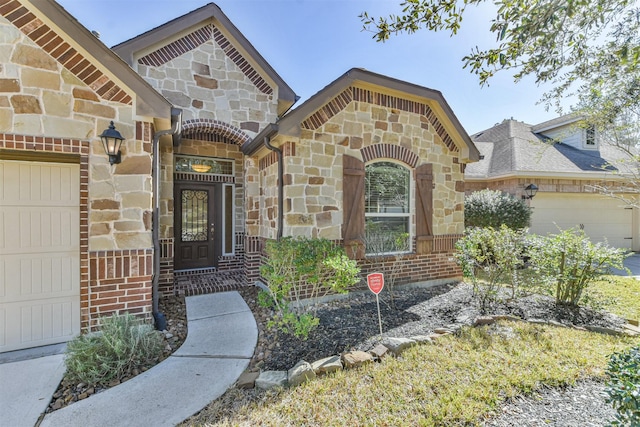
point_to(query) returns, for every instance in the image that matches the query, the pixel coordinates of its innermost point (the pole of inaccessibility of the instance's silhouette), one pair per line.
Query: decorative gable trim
(177, 48)
(67, 56)
(213, 131)
(197, 38)
(389, 151)
(341, 101)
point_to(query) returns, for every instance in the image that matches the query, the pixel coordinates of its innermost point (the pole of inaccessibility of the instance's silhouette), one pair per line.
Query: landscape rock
(483, 320)
(300, 373)
(630, 327)
(603, 330)
(508, 317)
(422, 339)
(398, 345)
(327, 365)
(247, 380)
(354, 359)
(442, 331)
(379, 351)
(270, 379)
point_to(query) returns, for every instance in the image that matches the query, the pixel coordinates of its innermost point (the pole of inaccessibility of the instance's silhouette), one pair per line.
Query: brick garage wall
(119, 282)
(515, 186)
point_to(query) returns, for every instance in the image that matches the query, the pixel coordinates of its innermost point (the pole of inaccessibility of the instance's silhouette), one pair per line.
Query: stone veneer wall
(208, 78)
(367, 131)
(54, 100)
(369, 126)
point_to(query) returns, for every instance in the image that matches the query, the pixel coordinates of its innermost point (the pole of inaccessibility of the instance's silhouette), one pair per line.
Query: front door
(197, 244)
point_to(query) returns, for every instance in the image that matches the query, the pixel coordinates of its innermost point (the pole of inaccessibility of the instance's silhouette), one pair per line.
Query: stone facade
(57, 95)
(370, 131)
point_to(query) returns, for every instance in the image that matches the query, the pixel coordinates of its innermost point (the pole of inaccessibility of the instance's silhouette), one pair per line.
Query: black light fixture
(530, 192)
(111, 141)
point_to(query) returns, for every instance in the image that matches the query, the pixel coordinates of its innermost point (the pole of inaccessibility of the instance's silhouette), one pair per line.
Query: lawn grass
(456, 381)
(618, 295)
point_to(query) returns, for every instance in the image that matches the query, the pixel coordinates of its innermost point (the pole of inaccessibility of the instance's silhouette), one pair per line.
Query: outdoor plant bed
(174, 309)
(351, 323)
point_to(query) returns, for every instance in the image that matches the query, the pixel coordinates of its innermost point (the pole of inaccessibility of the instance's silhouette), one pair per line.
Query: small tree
(496, 252)
(491, 208)
(304, 269)
(569, 262)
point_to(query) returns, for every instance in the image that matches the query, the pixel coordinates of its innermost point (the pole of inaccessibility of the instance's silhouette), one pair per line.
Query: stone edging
(304, 371)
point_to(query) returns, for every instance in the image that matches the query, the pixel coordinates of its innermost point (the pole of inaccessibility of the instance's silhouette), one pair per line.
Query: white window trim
(410, 215)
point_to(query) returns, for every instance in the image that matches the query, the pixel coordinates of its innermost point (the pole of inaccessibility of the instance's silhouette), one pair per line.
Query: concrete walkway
(220, 343)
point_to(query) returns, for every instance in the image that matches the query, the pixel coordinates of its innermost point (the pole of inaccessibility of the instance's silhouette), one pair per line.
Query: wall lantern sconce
(111, 141)
(530, 192)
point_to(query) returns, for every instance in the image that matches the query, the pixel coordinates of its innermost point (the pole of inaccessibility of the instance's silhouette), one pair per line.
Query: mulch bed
(351, 323)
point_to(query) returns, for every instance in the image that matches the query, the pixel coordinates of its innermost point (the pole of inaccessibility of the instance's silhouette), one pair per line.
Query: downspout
(278, 151)
(176, 128)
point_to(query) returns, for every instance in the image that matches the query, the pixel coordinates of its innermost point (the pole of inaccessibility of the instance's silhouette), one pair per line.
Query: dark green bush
(490, 208)
(122, 344)
(623, 387)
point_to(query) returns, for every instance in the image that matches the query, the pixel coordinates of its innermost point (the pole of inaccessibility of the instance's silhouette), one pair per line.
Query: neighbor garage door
(602, 218)
(39, 253)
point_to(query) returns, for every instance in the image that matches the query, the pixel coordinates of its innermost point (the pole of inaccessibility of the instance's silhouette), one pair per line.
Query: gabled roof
(48, 17)
(447, 124)
(515, 148)
(208, 13)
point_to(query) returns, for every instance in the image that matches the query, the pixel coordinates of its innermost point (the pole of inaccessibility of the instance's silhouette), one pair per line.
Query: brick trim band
(341, 101)
(197, 38)
(62, 52)
(213, 131)
(389, 151)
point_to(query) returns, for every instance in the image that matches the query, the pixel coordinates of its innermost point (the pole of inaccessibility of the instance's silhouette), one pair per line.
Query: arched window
(387, 207)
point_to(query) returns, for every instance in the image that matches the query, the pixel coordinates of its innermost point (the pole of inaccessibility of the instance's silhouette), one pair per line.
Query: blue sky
(310, 43)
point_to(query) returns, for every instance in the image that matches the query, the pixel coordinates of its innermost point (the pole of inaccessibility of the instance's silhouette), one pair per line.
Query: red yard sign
(375, 281)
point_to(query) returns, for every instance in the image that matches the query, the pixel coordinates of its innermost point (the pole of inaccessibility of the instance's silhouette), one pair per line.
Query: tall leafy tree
(586, 48)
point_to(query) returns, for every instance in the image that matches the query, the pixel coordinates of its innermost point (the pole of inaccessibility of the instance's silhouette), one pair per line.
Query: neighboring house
(214, 163)
(565, 161)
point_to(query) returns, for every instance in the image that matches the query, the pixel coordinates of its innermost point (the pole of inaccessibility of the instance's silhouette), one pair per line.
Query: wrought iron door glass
(195, 215)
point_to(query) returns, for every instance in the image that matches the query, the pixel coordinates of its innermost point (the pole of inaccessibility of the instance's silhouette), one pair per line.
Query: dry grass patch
(457, 381)
(617, 295)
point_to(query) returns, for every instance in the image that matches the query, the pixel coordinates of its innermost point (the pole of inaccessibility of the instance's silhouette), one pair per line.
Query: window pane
(228, 219)
(203, 165)
(195, 214)
(387, 234)
(386, 188)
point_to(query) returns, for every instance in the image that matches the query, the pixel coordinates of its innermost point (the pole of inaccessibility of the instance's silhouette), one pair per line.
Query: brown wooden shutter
(353, 206)
(424, 208)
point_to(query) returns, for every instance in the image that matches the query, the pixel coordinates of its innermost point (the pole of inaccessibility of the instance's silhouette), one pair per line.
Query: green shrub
(304, 269)
(122, 344)
(498, 253)
(568, 262)
(623, 386)
(490, 208)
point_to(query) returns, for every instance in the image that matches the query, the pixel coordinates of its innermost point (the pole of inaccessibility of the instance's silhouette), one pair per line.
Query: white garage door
(602, 218)
(39, 253)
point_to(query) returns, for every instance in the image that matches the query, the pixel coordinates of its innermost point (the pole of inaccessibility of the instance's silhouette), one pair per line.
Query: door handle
(212, 229)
